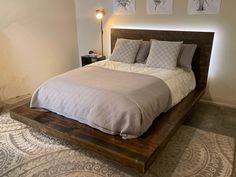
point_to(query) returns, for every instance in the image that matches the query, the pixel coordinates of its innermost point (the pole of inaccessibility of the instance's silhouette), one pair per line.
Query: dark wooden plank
(74, 132)
(136, 153)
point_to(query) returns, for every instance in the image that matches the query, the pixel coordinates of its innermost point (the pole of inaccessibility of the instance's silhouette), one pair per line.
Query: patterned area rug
(191, 152)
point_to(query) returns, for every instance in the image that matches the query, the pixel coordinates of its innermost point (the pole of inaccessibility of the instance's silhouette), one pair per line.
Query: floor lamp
(100, 14)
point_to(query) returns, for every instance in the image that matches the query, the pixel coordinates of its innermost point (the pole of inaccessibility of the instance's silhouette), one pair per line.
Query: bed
(138, 153)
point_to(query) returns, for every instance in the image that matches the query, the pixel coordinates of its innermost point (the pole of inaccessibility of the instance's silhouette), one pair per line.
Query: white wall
(38, 40)
(88, 27)
(222, 74)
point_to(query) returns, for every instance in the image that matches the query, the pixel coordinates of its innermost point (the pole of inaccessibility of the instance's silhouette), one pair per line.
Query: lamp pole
(102, 35)
(99, 14)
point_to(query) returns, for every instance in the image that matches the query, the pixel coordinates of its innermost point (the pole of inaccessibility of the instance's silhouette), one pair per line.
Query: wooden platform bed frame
(138, 153)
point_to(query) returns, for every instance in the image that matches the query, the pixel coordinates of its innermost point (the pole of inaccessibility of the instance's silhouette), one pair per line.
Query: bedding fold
(114, 102)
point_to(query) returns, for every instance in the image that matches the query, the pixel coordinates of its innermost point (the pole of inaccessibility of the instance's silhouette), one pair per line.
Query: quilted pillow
(186, 56)
(143, 52)
(125, 50)
(163, 54)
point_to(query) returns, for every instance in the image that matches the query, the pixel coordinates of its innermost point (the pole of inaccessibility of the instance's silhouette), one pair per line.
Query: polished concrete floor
(214, 118)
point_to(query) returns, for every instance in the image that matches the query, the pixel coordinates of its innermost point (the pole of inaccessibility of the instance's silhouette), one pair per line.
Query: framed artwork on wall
(204, 6)
(124, 7)
(159, 7)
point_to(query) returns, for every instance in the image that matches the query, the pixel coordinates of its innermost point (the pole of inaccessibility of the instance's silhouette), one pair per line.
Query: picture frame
(124, 7)
(159, 7)
(203, 7)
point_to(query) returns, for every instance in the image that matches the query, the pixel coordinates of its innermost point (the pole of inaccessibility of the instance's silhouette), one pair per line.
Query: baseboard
(14, 102)
(218, 103)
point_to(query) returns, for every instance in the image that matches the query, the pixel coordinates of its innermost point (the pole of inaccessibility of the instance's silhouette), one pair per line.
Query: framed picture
(159, 6)
(204, 6)
(124, 7)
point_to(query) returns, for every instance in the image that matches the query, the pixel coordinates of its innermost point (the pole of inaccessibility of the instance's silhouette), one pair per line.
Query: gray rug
(191, 152)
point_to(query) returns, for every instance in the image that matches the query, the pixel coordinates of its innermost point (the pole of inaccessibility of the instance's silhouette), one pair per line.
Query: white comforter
(180, 82)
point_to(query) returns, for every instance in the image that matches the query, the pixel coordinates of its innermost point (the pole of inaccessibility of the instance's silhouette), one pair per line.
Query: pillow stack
(158, 54)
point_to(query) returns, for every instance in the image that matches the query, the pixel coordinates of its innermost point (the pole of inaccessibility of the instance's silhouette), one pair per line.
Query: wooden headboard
(201, 59)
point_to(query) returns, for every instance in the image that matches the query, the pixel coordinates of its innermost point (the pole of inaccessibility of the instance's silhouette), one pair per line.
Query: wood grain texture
(137, 153)
(201, 59)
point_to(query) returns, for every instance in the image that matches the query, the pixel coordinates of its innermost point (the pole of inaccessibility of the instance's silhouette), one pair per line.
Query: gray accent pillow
(125, 50)
(143, 52)
(186, 56)
(163, 54)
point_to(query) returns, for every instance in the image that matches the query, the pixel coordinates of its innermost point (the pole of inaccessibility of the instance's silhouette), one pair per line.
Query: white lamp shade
(99, 13)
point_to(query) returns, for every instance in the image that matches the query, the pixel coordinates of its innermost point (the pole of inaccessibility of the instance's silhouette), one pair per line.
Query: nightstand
(87, 59)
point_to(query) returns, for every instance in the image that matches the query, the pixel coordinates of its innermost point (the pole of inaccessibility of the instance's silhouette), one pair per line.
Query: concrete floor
(214, 118)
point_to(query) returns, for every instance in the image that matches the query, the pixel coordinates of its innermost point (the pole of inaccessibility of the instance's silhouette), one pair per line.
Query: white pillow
(163, 54)
(125, 50)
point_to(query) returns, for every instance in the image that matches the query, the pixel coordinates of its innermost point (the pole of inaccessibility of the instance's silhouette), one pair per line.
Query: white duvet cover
(179, 81)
